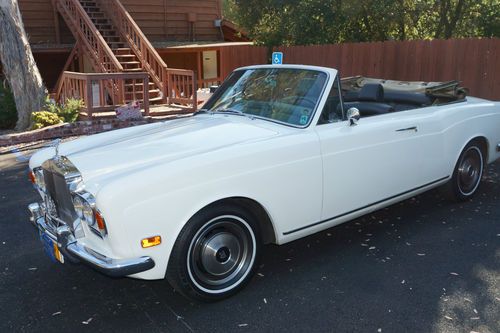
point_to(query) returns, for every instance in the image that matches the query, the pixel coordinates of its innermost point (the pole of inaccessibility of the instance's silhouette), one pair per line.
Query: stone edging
(78, 128)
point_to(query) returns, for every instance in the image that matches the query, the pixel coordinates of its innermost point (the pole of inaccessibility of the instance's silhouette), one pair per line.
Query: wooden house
(108, 52)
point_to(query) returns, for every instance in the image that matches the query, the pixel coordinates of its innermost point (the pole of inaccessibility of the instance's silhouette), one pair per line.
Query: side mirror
(353, 116)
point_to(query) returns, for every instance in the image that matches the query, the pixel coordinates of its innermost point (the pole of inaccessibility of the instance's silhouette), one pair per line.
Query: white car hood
(150, 145)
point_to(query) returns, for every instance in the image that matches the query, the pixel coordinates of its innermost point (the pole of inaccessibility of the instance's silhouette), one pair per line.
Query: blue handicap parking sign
(277, 58)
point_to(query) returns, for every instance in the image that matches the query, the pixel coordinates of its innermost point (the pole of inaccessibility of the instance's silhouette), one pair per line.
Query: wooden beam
(200, 65)
(81, 64)
(57, 29)
(69, 61)
(219, 65)
(165, 29)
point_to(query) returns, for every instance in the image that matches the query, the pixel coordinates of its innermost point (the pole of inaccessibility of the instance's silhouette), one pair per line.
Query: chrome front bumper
(76, 252)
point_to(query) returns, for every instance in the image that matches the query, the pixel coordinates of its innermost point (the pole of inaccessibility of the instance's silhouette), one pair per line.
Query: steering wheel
(299, 99)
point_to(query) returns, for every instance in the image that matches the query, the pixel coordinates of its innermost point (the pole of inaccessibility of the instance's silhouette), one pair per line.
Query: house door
(209, 65)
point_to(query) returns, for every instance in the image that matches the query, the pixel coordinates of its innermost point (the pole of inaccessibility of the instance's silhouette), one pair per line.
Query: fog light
(151, 241)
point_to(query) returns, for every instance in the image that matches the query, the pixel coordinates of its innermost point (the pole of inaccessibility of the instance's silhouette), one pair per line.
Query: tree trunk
(401, 20)
(452, 24)
(443, 18)
(19, 65)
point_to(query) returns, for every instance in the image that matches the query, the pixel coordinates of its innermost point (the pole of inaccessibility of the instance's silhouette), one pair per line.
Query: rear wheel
(468, 172)
(215, 254)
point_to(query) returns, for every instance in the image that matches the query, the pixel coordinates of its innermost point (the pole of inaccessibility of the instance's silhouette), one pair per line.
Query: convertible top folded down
(378, 96)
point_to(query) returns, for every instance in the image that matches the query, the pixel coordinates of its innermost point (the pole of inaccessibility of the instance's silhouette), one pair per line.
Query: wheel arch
(485, 146)
(482, 141)
(268, 232)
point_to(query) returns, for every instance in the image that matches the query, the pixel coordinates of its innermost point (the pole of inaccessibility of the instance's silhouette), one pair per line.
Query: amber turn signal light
(100, 221)
(32, 177)
(151, 241)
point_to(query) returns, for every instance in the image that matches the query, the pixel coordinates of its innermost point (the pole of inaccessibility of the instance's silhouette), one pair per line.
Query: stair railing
(85, 31)
(182, 87)
(81, 86)
(140, 45)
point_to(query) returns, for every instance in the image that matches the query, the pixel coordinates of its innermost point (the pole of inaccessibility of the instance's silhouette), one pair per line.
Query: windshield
(279, 94)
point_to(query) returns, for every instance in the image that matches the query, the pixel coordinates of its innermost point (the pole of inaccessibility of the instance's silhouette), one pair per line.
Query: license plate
(51, 248)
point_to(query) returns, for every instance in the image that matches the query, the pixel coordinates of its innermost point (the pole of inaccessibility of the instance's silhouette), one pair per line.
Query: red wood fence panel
(239, 56)
(474, 61)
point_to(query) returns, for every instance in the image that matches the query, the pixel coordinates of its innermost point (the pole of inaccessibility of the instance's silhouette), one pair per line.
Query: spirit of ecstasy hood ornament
(57, 142)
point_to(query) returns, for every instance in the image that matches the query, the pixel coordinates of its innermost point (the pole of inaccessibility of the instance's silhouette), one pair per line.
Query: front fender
(285, 180)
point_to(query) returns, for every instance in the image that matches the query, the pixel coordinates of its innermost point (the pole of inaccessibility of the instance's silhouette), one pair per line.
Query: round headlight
(83, 203)
(88, 214)
(78, 204)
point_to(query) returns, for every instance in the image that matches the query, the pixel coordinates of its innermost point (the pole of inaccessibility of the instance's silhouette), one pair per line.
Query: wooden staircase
(123, 54)
(113, 42)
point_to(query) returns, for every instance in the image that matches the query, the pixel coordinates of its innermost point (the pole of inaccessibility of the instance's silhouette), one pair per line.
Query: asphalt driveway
(425, 265)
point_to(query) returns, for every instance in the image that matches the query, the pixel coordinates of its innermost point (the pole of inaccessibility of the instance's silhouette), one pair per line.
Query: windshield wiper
(231, 111)
(200, 111)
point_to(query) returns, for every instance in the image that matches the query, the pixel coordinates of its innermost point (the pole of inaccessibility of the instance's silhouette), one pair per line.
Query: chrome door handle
(413, 128)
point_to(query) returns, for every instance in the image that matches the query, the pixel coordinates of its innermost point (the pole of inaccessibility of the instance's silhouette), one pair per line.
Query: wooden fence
(239, 56)
(474, 61)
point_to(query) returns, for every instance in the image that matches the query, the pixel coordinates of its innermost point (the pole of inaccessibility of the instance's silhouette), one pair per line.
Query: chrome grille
(57, 190)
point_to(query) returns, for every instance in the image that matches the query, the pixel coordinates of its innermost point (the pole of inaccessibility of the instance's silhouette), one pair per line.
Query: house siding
(160, 20)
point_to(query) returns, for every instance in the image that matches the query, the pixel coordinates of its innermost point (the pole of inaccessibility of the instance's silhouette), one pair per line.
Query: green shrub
(45, 118)
(70, 110)
(8, 112)
(54, 113)
(51, 106)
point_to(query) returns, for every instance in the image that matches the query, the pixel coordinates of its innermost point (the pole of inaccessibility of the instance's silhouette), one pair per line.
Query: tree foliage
(303, 22)
(8, 112)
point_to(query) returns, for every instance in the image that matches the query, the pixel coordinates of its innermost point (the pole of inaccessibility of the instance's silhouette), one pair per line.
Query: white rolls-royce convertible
(276, 154)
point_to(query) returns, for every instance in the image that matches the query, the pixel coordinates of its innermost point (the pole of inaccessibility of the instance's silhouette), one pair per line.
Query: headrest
(371, 92)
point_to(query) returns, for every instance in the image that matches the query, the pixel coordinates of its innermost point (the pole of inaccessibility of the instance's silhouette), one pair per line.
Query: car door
(377, 160)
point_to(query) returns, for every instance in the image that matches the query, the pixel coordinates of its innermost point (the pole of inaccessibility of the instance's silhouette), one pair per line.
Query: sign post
(277, 58)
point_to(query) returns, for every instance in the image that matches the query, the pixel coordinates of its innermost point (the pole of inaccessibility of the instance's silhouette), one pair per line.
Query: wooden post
(169, 87)
(56, 24)
(121, 92)
(89, 97)
(165, 20)
(200, 68)
(195, 92)
(145, 96)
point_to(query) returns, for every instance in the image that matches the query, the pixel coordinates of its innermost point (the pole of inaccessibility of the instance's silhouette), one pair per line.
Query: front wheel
(215, 254)
(468, 172)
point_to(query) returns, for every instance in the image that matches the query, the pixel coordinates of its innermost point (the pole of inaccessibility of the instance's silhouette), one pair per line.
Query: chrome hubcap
(470, 171)
(221, 254)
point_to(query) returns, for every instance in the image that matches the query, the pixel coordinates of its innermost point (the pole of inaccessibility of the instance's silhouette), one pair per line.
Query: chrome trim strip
(367, 206)
(75, 251)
